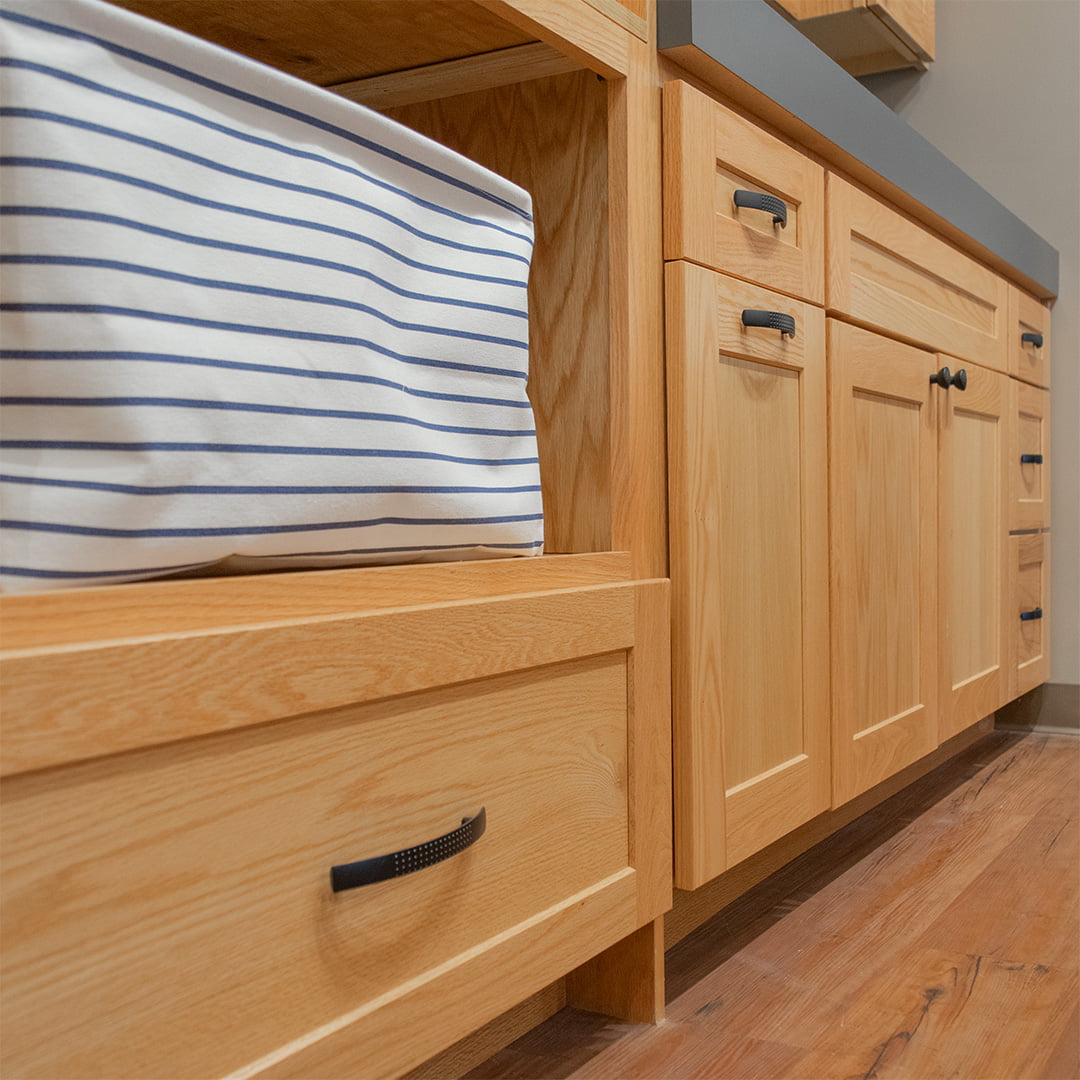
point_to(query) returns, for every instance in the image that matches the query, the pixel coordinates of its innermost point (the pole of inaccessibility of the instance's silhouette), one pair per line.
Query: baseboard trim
(1052, 707)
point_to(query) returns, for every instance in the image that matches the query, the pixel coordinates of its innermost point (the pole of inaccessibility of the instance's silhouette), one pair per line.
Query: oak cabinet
(867, 36)
(917, 472)
(973, 584)
(1028, 331)
(174, 806)
(738, 199)
(1028, 613)
(883, 470)
(1029, 457)
(888, 272)
(746, 437)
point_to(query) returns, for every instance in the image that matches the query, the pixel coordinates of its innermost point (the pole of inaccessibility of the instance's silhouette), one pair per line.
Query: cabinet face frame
(741, 782)
(973, 525)
(883, 556)
(1029, 589)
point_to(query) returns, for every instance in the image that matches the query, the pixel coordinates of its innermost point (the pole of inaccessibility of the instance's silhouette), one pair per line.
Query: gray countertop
(759, 47)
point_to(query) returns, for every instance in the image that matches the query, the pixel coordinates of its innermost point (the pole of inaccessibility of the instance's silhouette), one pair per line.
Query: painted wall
(1002, 99)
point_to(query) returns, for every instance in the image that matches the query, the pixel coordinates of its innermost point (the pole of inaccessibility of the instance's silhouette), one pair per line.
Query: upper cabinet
(865, 37)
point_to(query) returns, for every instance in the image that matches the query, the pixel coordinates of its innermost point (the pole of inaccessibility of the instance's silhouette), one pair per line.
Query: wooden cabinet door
(1028, 615)
(747, 463)
(883, 478)
(971, 543)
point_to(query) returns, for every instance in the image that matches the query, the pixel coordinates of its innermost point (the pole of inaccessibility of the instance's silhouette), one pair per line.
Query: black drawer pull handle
(1027, 616)
(959, 380)
(942, 377)
(771, 320)
(1031, 459)
(406, 861)
(756, 200)
(1034, 339)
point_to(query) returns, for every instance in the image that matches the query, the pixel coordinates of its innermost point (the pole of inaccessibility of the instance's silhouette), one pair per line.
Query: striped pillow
(245, 319)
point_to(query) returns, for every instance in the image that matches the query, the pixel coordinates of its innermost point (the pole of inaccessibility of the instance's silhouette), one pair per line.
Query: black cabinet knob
(959, 380)
(942, 377)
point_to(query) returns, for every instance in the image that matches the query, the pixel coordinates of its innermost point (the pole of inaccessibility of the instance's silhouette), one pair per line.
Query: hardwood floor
(937, 936)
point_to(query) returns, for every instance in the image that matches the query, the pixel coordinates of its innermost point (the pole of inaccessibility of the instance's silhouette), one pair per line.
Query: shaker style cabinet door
(747, 461)
(1028, 615)
(971, 546)
(884, 487)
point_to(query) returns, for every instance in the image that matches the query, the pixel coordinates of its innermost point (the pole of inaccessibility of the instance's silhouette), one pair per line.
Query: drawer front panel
(1029, 457)
(187, 887)
(892, 274)
(710, 153)
(184, 885)
(1029, 614)
(1028, 338)
(748, 541)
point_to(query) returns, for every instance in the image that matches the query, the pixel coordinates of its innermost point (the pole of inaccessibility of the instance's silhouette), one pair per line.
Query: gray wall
(1002, 99)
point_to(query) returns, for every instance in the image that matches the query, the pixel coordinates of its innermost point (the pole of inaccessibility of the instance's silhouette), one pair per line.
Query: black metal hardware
(408, 860)
(1027, 616)
(959, 380)
(771, 320)
(757, 200)
(1032, 339)
(942, 377)
(1031, 459)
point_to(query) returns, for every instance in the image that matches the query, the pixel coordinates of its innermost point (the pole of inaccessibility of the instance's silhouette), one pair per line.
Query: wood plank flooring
(936, 937)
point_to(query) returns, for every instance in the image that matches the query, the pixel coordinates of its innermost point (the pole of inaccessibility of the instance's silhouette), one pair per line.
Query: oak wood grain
(891, 273)
(884, 581)
(973, 567)
(709, 152)
(1029, 583)
(550, 136)
(1027, 315)
(748, 535)
(1029, 433)
(330, 41)
(104, 698)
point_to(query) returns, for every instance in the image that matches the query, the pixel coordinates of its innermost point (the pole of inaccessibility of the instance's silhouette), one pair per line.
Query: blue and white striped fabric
(245, 319)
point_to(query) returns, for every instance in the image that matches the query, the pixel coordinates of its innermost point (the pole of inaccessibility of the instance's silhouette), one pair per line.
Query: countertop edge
(762, 51)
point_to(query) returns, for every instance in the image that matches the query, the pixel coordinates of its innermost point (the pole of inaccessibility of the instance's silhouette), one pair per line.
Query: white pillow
(243, 317)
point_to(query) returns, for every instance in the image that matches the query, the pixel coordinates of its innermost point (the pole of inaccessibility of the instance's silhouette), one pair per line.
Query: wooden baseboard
(691, 909)
(1052, 707)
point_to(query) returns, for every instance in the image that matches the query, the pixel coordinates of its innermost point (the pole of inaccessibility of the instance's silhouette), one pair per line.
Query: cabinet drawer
(1029, 457)
(1028, 338)
(185, 887)
(890, 273)
(710, 153)
(1029, 567)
